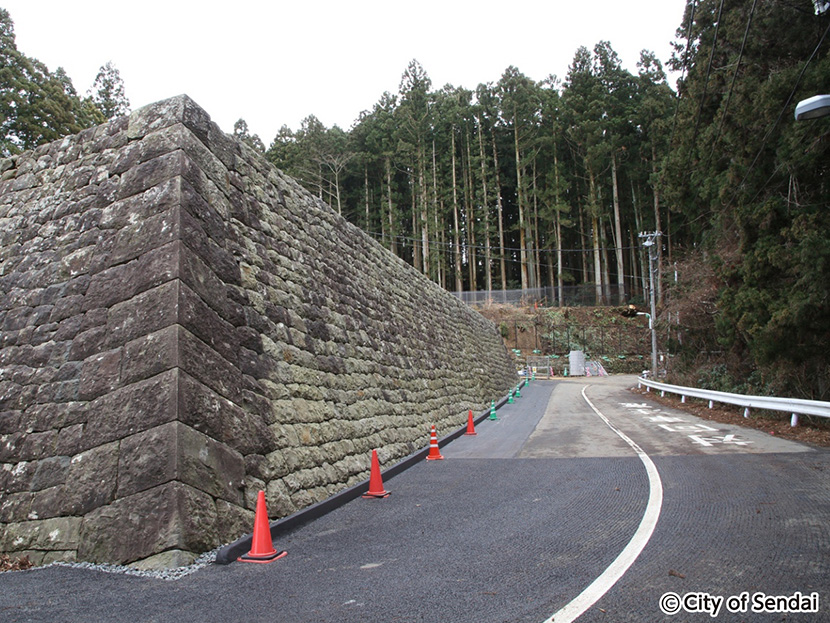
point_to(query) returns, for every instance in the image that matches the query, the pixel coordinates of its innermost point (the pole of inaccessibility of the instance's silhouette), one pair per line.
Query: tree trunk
(392, 242)
(459, 282)
(551, 278)
(606, 264)
(384, 240)
(443, 266)
(417, 258)
(658, 287)
(597, 260)
(635, 263)
(337, 192)
(618, 235)
(537, 252)
(488, 268)
(365, 192)
(439, 266)
(522, 240)
(469, 200)
(638, 260)
(439, 253)
(499, 205)
(585, 256)
(559, 282)
(558, 223)
(424, 206)
(593, 209)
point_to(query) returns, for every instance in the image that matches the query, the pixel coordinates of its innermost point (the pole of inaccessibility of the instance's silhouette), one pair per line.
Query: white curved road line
(587, 598)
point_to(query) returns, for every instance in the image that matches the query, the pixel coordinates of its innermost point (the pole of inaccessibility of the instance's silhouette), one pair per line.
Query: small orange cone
(376, 489)
(471, 427)
(262, 547)
(434, 454)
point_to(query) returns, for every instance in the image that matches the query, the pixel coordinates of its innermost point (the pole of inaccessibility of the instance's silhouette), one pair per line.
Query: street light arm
(647, 315)
(813, 107)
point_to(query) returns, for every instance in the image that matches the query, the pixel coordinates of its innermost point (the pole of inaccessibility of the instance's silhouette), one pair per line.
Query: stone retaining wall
(182, 325)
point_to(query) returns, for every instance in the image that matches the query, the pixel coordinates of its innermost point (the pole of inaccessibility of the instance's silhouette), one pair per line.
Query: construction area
(611, 339)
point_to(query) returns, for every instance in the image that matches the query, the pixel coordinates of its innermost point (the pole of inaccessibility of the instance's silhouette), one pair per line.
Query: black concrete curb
(232, 551)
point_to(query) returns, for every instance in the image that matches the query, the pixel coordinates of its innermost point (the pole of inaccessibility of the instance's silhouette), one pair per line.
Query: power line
(708, 74)
(683, 73)
(435, 244)
(778, 120)
(732, 85)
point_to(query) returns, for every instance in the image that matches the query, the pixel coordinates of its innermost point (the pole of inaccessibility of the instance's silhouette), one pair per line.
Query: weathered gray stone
(210, 368)
(204, 207)
(166, 560)
(14, 507)
(151, 173)
(28, 446)
(154, 241)
(50, 471)
(16, 477)
(278, 499)
(219, 418)
(148, 459)
(51, 502)
(221, 262)
(150, 268)
(153, 118)
(88, 343)
(210, 466)
(132, 409)
(174, 451)
(93, 477)
(143, 314)
(58, 533)
(184, 325)
(101, 374)
(204, 323)
(71, 439)
(172, 516)
(47, 558)
(125, 213)
(233, 519)
(209, 288)
(151, 354)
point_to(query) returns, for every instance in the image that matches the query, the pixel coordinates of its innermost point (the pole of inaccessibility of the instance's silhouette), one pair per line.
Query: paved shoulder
(569, 428)
(665, 431)
(506, 436)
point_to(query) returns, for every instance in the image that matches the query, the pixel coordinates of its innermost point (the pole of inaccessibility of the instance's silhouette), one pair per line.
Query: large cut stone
(171, 516)
(176, 452)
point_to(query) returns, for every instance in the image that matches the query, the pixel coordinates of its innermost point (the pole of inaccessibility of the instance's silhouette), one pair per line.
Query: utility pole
(651, 243)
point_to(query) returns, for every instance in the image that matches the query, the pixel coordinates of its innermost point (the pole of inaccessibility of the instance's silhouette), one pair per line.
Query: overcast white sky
(275, 62)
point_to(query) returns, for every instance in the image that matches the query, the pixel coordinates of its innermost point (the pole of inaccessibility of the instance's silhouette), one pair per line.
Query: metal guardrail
(793, 406)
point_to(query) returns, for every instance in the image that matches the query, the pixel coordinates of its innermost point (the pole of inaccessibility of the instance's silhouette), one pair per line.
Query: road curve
(513, 525)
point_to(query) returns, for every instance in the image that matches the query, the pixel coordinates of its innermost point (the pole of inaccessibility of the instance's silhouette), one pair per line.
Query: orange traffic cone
(471, 427)
(262, 547)
(434, 454)
(376, 489)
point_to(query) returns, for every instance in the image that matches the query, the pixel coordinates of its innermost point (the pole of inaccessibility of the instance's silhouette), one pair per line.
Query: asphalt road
(514, 524)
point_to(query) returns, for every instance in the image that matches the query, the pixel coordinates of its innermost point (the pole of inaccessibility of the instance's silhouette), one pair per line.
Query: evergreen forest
(519, 184)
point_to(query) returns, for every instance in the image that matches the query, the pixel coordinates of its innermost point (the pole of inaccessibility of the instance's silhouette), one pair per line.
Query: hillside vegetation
(622, 344)
(519, 183)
